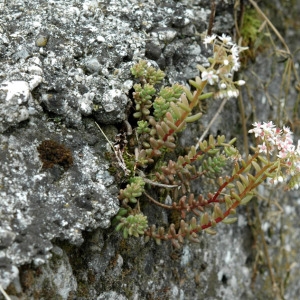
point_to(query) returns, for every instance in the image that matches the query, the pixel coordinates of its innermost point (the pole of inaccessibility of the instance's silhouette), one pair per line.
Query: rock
(111, 296)
(112, 109)
(64, 65)
(15, 97)
(41, 40)
(164, 34)
(93, 65)
(40, 204)
(153, 50)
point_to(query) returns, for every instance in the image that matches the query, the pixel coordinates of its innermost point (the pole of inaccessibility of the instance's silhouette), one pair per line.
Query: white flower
(257, 130)
(232, 93)
(282, 154)
(287, 131)
(236, 64)
(263, 148)
(257, 124)
(209, 39)
(277, 180)
(210, 76)
(220, 95)
(268, 126)
(226, 39)
(235, 51)
(280, 179)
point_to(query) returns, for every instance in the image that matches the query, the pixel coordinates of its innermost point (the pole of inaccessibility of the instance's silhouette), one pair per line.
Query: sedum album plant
(154, 165)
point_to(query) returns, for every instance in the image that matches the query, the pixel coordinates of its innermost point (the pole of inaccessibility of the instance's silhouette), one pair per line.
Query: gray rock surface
(38, 205)
(64, 65)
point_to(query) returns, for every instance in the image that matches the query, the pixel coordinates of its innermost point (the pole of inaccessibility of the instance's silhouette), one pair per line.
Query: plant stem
(211, 122)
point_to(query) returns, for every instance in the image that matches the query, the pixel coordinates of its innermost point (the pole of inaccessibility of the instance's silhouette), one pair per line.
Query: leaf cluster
(146, 73)
(134, 225)
(132, 191)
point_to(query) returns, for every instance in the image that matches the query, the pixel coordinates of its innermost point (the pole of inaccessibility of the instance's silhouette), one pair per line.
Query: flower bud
(223, 85)
(241, 82)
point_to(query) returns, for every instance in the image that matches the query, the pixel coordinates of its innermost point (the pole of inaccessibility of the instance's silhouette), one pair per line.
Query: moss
(27, 278)
(124, 246)
(114, 260)
(91, 276)
(48, 291)
(250, 26)
(82, 290)
(251, 34)
(11, 290)
(34, 286)
(52, 153)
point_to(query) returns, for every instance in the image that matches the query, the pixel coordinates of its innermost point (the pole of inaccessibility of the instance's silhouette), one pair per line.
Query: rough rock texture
(63, 66)
(40, 204)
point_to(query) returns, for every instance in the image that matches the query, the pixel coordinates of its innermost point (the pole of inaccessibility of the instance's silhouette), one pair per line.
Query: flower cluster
(273, 139)
(224, 63)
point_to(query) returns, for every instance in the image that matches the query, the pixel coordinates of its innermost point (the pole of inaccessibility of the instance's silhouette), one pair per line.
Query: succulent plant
(164, 113)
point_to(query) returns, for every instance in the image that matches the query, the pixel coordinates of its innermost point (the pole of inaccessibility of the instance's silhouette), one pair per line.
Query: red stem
(236, 203)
